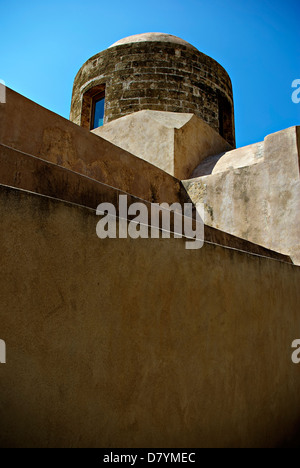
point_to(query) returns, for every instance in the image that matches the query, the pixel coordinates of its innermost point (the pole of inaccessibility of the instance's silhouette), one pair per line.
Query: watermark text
(144, 220)
(2, 352)
(296, 353)
(296, 93)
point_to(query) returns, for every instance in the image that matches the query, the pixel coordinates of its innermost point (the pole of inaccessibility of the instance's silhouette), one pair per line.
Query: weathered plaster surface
(139, 343)
(254, 192)
(172, 141)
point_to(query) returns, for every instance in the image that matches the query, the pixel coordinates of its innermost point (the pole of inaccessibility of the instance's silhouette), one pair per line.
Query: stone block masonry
(163, 76)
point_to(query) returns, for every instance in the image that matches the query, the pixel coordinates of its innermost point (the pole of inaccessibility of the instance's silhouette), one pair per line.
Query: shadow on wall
(206, 167)
(293, 439)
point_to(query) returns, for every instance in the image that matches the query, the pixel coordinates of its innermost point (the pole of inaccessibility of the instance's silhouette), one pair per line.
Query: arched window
(93, 107)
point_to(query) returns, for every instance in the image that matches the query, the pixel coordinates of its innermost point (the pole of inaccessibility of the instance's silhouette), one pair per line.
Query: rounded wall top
(153, 37)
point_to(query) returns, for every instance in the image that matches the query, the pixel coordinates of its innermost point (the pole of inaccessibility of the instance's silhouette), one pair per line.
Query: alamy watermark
(144, 220)
(296, 93)
(296, 353)
(2, 352)
(2, 92)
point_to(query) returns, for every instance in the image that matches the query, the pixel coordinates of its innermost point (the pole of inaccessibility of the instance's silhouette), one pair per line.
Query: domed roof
(153, 37)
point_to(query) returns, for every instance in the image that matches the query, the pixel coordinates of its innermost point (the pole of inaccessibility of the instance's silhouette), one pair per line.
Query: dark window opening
(98, 111)
(226, 128)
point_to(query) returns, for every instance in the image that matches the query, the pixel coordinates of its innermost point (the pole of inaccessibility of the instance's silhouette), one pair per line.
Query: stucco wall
(254, 192)
(30, 128)
(45, 153)
(173, 141)
(139, 342)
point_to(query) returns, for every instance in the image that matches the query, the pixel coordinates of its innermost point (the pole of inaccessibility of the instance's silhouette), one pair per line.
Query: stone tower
(153, 71)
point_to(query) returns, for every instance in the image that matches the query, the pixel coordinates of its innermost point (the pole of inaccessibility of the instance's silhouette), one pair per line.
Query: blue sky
(44, 43)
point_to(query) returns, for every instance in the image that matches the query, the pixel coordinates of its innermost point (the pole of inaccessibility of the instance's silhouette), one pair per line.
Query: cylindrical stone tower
(153, 71)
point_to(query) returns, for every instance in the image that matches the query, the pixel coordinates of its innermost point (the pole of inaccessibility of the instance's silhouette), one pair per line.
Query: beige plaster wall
(139, 343)
(30, 128)
(174, 142)
(49, 155)
(254, 192)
